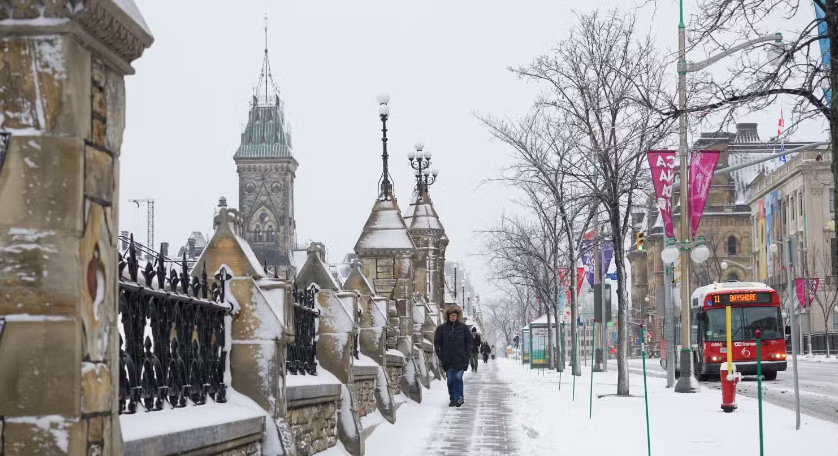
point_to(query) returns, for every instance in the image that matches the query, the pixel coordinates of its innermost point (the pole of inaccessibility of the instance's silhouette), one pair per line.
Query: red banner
(702, 167)
(662, 165)
(800, 285)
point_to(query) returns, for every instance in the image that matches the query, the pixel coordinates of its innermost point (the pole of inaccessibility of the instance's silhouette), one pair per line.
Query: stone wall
(394, 375)
(314, 427)
(251, 449)
(365, 395)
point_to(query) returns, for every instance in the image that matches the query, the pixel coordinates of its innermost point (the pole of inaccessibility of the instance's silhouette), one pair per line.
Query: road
(818, 386)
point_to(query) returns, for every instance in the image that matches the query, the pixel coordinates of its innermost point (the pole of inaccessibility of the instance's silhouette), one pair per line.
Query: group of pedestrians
(458, 349)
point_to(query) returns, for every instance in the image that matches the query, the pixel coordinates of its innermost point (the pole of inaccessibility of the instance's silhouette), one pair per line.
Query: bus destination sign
(742, 298)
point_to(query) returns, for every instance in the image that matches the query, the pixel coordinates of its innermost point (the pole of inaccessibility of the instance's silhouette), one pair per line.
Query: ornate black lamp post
(384, 183)
(421, 161)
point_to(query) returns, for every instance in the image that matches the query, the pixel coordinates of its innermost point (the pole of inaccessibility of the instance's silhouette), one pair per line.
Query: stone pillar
(62, 93)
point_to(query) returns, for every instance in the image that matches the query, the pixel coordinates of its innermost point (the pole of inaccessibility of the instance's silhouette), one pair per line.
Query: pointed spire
(266, 81)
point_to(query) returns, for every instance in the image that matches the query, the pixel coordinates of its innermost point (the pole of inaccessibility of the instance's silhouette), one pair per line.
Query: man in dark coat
(476, 343)
(452, 344)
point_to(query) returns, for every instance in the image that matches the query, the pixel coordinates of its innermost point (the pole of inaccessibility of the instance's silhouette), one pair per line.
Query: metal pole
(669, 321)
(806, 285)
(759, 385)
(790, 308)
(596, 361)
(591, 394)
(645, 390)
(686, 383)
(603, 342)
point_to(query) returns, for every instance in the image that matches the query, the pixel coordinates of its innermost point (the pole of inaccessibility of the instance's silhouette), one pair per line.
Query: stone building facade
(725, 225)
(62, 92)
(795, 200)
(267, 170)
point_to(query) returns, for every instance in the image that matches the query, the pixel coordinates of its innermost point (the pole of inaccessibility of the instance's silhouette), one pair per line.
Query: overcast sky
(441, 61)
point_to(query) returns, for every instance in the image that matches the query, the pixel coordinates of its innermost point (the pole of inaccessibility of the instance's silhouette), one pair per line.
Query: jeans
(455, 384)
(472, 361)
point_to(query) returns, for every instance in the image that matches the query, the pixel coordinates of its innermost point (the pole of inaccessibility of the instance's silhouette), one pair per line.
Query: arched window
(257, 234)
(270, 235)
(733, 277)
(731, 245)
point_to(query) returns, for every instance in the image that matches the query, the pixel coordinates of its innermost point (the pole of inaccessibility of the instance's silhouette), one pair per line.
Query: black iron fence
(173, 350)
(819, 343)
(302, 352)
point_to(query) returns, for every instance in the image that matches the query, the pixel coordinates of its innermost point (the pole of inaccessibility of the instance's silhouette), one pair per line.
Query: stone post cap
(114, 28)
(317, 248)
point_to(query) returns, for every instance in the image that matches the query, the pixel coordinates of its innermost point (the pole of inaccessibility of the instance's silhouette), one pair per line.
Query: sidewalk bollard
(758, 333)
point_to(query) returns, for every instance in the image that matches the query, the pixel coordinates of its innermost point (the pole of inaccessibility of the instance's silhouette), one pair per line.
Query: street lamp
(385, 184)
(686, 382)
(420, 161)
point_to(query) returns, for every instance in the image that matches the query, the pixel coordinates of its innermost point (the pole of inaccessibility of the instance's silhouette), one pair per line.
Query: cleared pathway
(482, 425)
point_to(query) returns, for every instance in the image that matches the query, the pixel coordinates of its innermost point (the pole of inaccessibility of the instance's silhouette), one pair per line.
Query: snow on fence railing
(173, 346)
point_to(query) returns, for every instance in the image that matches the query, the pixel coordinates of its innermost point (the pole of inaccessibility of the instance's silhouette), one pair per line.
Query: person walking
(452, 344)
(485, 350)
(476, 343)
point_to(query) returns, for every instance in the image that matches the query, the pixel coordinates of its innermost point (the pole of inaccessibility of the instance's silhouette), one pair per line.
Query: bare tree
(710, 271)
(500, 316)
(597, 78)
(543, 162)
(525, 251)
(796, 69)
(826, 298)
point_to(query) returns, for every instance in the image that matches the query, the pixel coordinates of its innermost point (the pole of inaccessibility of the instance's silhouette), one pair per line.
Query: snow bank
(416, 424)
(364, 360)
(548, 421)
(323, 377)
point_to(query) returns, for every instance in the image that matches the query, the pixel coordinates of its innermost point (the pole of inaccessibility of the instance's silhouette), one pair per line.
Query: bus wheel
(770, 375)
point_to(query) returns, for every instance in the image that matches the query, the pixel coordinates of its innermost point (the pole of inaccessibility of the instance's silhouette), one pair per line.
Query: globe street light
(420, 161)
(686, 382)
(385, 185)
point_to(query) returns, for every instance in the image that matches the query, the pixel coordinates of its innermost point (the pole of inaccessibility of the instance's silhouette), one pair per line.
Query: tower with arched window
(267, 170)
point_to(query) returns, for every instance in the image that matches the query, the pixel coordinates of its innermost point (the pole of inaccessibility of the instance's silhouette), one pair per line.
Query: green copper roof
(266, 135)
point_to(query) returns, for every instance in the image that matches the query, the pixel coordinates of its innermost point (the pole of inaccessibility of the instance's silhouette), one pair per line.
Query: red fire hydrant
(729, 382)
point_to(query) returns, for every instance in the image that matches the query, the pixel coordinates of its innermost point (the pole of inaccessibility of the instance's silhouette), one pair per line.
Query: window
(733, 277)
(800, 198)
(791, 208)
(270, 235)
(744, 323)
(784, 207)
(257, 234)
(731, 245)
(831, 200)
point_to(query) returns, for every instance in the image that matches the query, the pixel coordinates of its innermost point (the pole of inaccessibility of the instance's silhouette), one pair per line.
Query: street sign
(611, 276)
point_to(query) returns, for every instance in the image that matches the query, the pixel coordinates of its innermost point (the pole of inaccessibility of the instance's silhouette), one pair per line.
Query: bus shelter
(526, 343)
(539, 345)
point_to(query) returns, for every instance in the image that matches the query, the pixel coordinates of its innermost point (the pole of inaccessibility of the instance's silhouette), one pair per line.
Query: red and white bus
(754, 306)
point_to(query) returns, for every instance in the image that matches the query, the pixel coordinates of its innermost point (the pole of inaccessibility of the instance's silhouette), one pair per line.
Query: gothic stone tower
(266, 171)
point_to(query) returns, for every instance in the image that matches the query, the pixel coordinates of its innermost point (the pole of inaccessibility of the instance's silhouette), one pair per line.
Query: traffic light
(640, 240)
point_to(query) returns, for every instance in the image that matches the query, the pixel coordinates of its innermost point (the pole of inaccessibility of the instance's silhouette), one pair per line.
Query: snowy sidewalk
(482, 425)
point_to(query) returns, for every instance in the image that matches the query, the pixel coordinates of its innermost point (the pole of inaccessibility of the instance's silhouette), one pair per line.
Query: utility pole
(789, 255)
(597, 304)
(669, 324)
(685, 384)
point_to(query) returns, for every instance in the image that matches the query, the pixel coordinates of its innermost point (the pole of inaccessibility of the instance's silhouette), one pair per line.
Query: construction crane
(149, 202)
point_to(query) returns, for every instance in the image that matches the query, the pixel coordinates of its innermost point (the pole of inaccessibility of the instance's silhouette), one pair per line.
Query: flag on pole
(780, 136)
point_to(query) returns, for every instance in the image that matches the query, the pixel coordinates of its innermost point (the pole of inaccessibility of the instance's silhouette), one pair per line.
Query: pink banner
(702, 167)
(799, 285)
(662, 165)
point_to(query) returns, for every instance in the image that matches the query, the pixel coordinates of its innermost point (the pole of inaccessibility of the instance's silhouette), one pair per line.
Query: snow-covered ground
(682, 424)
(547, 421)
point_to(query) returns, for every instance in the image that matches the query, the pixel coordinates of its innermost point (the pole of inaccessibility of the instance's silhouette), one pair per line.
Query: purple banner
(800, 286)
(662, 165)
(702, 167)
(606, 253)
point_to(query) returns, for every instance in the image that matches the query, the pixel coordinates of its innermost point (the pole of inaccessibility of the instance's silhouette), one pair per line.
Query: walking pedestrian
(485, 350)
(476, 343)
(452, 344)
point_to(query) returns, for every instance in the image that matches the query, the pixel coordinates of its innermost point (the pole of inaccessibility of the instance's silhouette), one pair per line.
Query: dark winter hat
(454, 309)
(473, 329)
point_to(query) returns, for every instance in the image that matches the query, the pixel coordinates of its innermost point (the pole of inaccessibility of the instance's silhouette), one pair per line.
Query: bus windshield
(744, 322)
